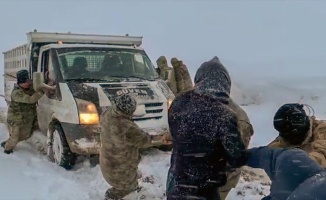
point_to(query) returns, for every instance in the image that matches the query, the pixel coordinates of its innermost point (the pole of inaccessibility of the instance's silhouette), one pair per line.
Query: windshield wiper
(141, 78)
(91, 79)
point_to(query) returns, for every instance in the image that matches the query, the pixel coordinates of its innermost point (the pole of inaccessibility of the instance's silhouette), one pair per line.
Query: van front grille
(154, 111)
(147, 118)
(147, 105)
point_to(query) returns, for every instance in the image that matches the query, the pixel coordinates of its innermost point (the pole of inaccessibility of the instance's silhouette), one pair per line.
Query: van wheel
(59, 152)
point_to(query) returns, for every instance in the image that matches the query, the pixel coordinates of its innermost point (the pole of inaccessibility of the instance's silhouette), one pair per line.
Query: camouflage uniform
(314, 144)
(21, 117)
(121, 139)
(182, 76)
(167, 74)
(246, 131)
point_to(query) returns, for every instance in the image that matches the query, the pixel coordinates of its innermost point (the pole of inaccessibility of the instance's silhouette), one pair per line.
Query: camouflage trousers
(232, 181)
(18, 133)
(123, 181)
(116, 194)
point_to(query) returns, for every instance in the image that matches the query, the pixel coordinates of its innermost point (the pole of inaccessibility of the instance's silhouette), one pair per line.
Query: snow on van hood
(102, 94)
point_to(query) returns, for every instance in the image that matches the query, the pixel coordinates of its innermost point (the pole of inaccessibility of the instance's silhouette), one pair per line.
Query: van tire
(59, 151)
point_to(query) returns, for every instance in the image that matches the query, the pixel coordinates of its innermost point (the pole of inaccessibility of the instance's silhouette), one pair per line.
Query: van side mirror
(38, 82)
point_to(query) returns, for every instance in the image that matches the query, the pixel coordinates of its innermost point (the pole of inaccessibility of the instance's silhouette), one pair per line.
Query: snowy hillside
(34, 177)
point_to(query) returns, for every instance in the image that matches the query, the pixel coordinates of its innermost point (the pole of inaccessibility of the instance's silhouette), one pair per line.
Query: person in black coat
(294, 175)
(205, 136)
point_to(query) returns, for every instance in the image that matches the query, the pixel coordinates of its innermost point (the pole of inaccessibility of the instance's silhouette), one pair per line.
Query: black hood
(85, 92)
(213, 78)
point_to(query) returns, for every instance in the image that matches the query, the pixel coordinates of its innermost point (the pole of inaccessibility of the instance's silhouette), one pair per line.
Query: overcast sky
(258, 37)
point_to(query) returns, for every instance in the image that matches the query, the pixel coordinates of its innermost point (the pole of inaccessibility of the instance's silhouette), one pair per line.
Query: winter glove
(157, 140)
(167, 138)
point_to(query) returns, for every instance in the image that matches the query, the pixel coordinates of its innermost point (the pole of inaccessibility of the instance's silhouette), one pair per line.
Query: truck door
(46, 105)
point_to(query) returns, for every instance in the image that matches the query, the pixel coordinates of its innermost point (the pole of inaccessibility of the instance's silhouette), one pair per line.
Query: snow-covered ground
(28, 175)
(254, 39)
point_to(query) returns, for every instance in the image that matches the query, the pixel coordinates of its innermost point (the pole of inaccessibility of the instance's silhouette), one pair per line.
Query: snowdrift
(32, 176)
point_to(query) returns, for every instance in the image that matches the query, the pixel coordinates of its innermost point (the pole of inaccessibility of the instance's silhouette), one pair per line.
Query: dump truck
(83, 74)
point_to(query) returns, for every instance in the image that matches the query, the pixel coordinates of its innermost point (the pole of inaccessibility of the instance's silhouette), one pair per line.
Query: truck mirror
(38, 82)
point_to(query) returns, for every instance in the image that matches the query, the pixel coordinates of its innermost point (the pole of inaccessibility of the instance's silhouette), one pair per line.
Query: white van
(88, 72)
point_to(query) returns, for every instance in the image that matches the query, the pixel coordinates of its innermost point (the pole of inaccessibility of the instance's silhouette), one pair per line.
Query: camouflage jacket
(121, 139)
(22, 109)
(314, 144)
(167, 74)
(245, 127)
(182, 76)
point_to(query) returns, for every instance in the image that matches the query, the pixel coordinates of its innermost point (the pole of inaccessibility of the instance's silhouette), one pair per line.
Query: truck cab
(83, 75)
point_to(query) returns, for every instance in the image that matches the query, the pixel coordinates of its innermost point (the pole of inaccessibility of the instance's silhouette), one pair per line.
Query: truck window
(104, 64)
(49, 73)
(45, 61)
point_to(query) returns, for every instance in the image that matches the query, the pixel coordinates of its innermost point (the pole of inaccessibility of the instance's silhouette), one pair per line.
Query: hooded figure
(296, 129)
(215, 79)
(21, 117)
(182, 76)
(121, 139)
(294, 175)
(206, 136)
(167, 74)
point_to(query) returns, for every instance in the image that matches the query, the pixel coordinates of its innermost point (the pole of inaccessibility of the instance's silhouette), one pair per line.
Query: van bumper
(82, 139)
(85, 139)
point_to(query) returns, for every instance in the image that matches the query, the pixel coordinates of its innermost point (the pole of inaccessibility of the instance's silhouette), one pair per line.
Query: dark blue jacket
(287, 169)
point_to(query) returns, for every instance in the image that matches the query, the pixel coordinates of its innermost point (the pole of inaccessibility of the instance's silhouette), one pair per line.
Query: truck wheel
(59, 152)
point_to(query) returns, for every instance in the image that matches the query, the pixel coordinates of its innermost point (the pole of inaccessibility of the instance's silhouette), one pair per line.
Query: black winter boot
(8, 151)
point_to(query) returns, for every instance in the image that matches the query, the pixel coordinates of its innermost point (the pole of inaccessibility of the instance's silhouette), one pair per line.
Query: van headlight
(87, 112)
(170, 103)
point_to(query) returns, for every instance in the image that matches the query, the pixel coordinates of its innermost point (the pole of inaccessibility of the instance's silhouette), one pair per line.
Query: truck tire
(59, 151)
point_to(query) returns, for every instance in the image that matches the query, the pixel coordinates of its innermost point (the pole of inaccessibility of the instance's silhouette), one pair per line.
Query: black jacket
(205, 137)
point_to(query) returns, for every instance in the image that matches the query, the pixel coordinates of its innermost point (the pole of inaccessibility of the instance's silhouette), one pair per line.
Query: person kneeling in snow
(296, 129)
(121, 139)
(206, 136)
(294, 175)
(21, 116)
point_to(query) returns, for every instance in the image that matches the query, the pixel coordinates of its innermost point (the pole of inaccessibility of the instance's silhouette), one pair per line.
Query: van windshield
(105, 64)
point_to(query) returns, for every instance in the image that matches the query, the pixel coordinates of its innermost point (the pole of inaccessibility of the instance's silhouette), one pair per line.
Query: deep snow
(253, 39)
(28, 175)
